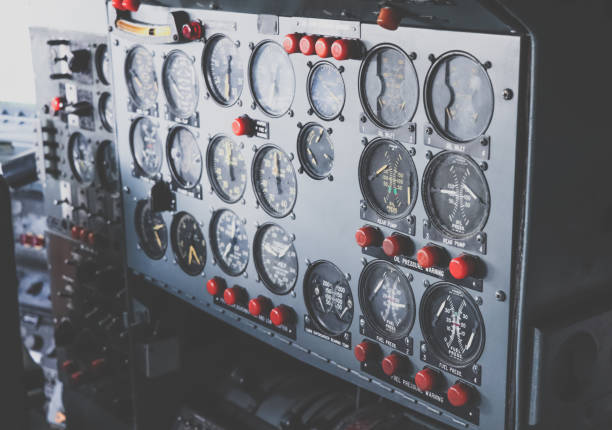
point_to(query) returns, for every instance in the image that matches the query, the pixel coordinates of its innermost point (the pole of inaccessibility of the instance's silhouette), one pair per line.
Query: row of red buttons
(459, 267)
(29, 239)
(426, 379)
(79, 233)
(324, 47)
(78, 376)
(279, 315)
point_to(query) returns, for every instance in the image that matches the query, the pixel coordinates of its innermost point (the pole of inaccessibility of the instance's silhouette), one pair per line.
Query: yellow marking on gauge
(382, 169)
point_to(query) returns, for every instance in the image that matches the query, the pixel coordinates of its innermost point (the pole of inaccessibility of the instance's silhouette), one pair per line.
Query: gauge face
(152, 231)
(223, 70)
(147, 147)
(326, 90)
(227, 169)
(459, 98)
(141, 77)
(272, 78)
(387, 300)
(275, 258)
(456, 195)
(229, 242)
(328, 297)
(388, 178)
(274, 181)
(188, 243)
(108, 168)
(389, 87)
(316, 151)
(184, 157)
(180, 84)
(103, 64)
(452, 325)
(107, 111)
(82, 156)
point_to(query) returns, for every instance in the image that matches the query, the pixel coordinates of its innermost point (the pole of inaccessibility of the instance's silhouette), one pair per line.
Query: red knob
(131, 5)
(68, 366)
(98, 364)
(343, 49)
(192, 30)
(391, 364)
(429, 256)
(395, 245)
(280, 315)
(363, 351)
(458, 395)
(323, 47)
(426, 379)
(118, 4)
(77, 377)
(307, 44)
(83, 234)
(91, 238)
(75, 232)
(242, 126)
(463, 266)
(215, 286)
(367, 235)
(231, 295)
(58, 103)
(389, 18)
(291, 43)
(39, 241)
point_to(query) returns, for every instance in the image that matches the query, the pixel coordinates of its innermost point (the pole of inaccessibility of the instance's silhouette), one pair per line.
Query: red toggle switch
(215, 286)
(426, 379)
(391, 364)
(232, 295)
(429, 256)
(459, 395)
(291, 43)
(83, 234)
(118, 4)
(77, 377)
(192, 30)
(58, 104)
(131, 5)
(98, 364)
(463, 266)
(242, 126)
(395, 245)
(68, 366)
(343, 49)
(258, 306)
(323, 46)
(389, 18)
(280, 315)
(363, 351)
(91, 238)
(307, 44)
(367, 236)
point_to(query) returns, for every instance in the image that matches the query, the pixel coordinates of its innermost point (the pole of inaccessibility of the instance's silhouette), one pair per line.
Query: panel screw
(484, 142)
(500, 296)
(426, 283)
(429, 130)
(330, 131)
(341, 69)
(126, 189)
(330, 178)
(253, 106)
(363, 118)
(364, 141)
(307, 319)
(429, 155)
(300, 125)
(308, 262)
(424, 348)
(475, 368)
(508, 94)
(484, 166)
(309, 111)
(364, 261)
(251, 46)
(362, 323)
(479, 301)
(290, 113)
(412, 152)
(432, 57)
(341, 118)
(411, 128)
(487, 65)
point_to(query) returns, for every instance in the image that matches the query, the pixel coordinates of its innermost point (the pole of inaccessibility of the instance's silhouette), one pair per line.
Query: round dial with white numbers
(188, 243)
(274, 181)
(180, 84)
(184, 157)
(141, 77)
(326, 90)
(223, 70)
(147, 147)
(229, 242)
(82, 157)
(227, 169)
(275, 258)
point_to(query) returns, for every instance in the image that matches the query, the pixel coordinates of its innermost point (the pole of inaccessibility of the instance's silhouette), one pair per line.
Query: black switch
(80, 61)
(162, 197)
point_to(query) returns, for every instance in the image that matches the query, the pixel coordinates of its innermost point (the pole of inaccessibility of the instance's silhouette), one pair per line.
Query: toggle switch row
(324, 47)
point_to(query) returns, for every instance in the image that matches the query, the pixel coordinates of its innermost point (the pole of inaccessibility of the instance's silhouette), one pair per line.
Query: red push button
(363, 351)
(307, 44)
(426, 379)
(367, 235)
(395, 245)
(98, 364)
(39, 241)
(280, 315)
(83, 234)
(215, 286)
(68, 366)
(242, 126)
(391, 364)
(343, 49)
(389, 18)
(258, 305)
(192, 30)
(58, 103)
(91, 238)
(291, 43)
(458, 395)
(463, 266)
(77, 377)
(232, 295)
(323, 47)
(75, 232)
(429, 256)
(118, 4)
(131, 5)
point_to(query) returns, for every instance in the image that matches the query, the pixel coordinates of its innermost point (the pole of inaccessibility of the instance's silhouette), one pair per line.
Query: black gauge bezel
(365, 157)
(364, 302)
(175, 176)
(259, 266)
(168, 95)
(427, 95)
(309, 87)
(428, 172)
(135, 160)
(73, 168)
(258, 194)
(140, 206)
(99, 60)
(250, 77)
(135, 98)
(102, 172)
(309, 306)
(175, 220)
(102, 100)
(214, 244)
(301, 156)
(427, 336)
(362, 88)
(205, 71)
(210, 170)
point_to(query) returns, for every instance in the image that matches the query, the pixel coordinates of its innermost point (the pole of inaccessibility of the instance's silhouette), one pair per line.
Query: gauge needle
(319, 137)
(440, 310)
(331, 93)
(227, 250)
(271, 250)
(409, 192)
(136, 78)
(276, 171)
(193, 254)
(469, 344)
(471, 193)
(344, 311)
(378, 172)
(227, 86)
(282, 253)
(314, 160)
(174, 85)
(228, 159)
(321, 303)
(450, 113)
(377, 289)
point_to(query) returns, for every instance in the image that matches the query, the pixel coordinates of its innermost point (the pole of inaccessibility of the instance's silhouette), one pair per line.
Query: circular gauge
(459, 97)
(326, 91)
(275, 258)
(227, 169)
(184, 157)
(108, 168)
(103, 64)
(229, 242)
(386, 299)
(188, 243)
(328, 297)
(316, 151)
(107, 111)
(456, 195)
(452, 325)
(151, 230)
(82, 157)
(141, 77)
(274, 181)
(388, 178)
(272, 78)
(180, 84)
(147, 147)
(223, 70)
(389, 87)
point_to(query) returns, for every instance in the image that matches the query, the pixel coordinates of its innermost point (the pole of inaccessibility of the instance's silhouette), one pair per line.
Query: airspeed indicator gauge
(275, 258)
(274, 181)
(223, 70)
(229, 242)
(227, 168)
